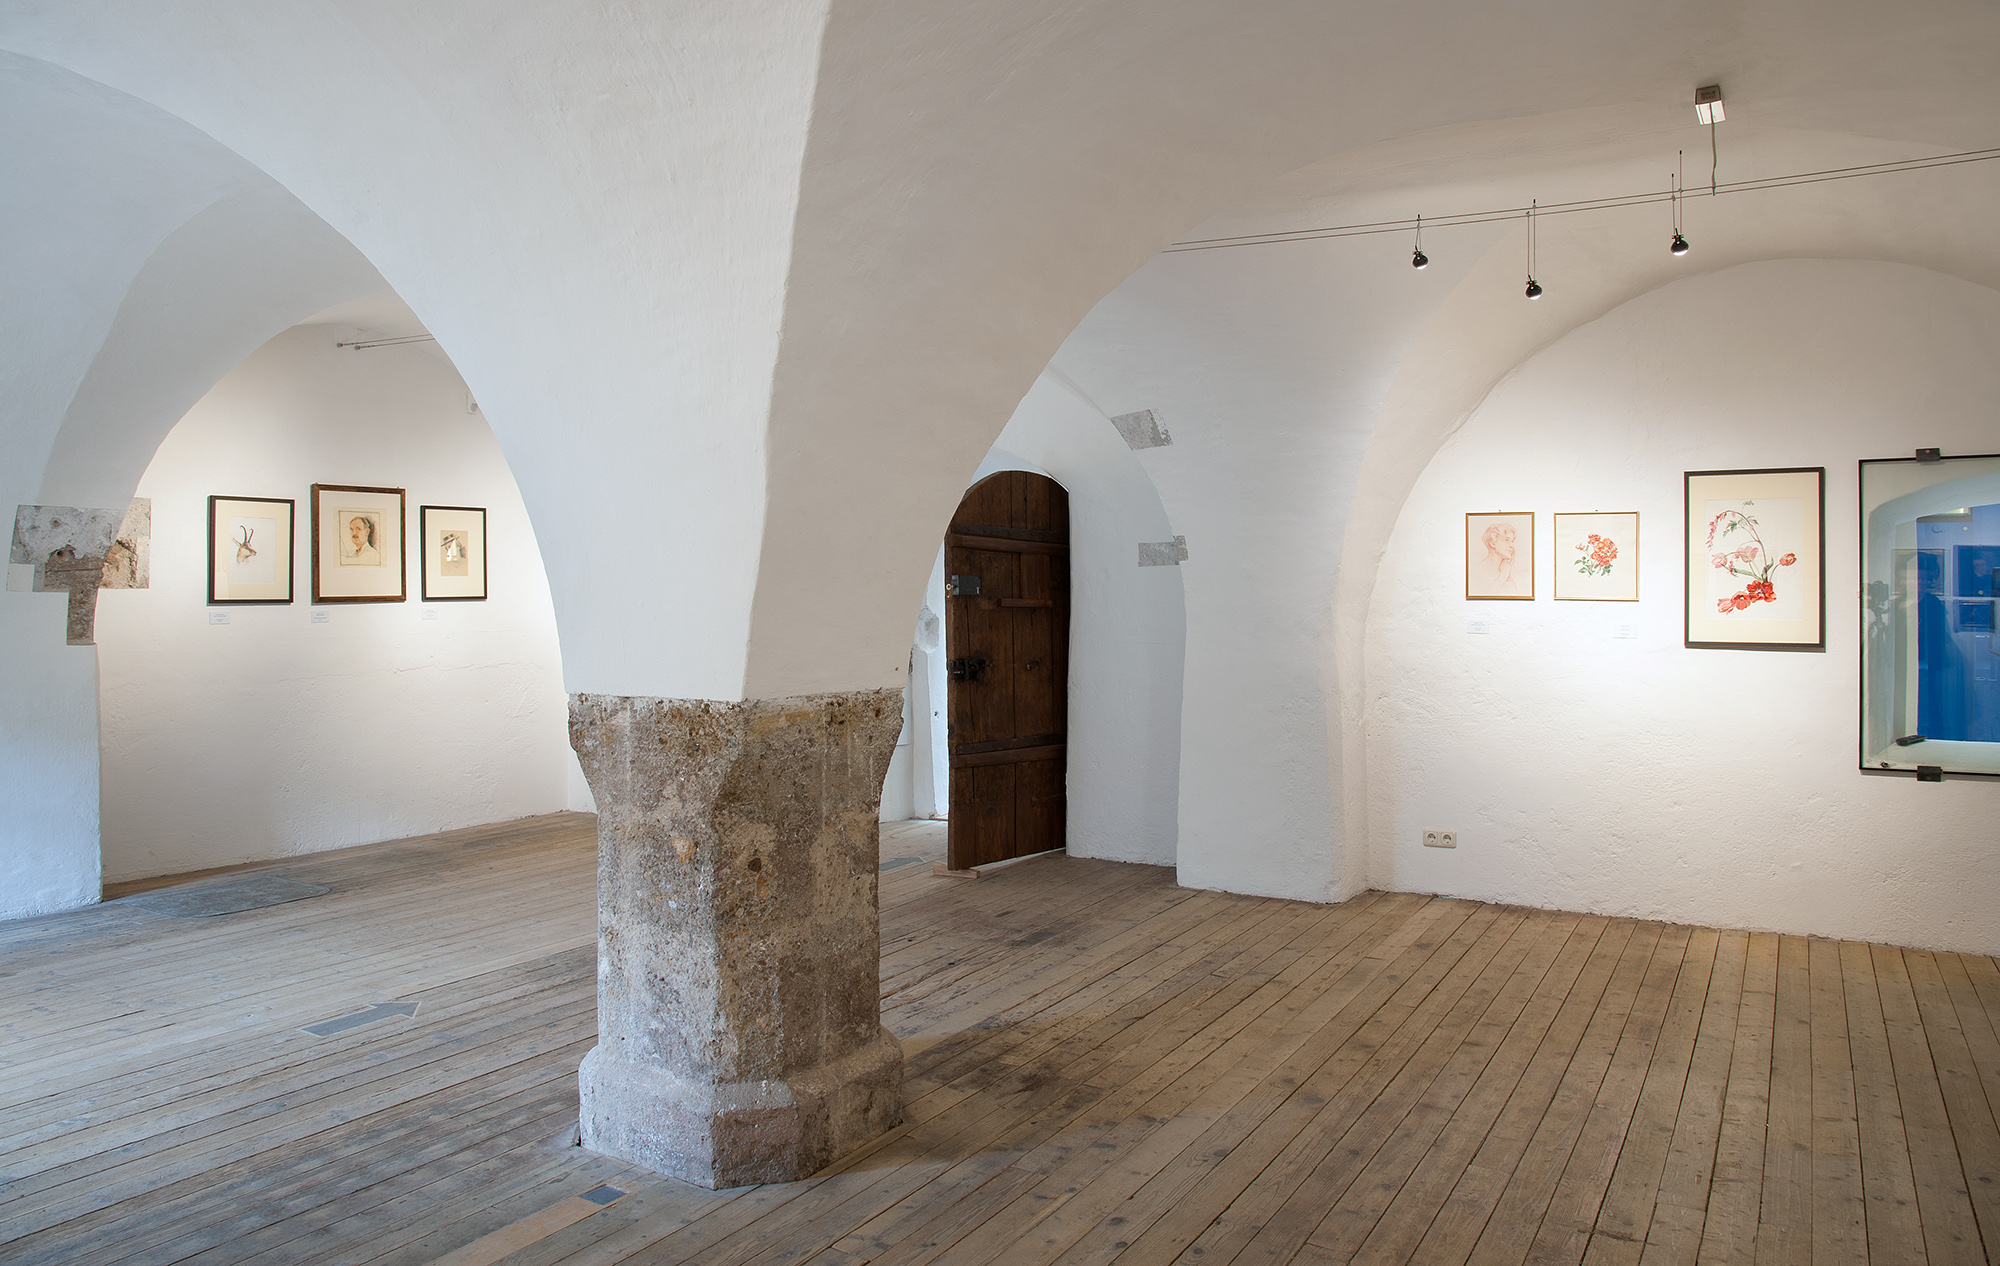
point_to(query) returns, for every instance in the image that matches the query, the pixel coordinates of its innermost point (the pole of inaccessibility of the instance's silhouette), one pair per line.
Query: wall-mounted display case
(1930, 667)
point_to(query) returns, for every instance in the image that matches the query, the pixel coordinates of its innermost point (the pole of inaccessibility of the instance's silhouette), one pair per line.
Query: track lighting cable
(1586, 204)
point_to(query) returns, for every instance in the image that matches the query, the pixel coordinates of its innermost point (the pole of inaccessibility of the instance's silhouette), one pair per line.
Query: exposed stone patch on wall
(739, 1030)
(79, 550)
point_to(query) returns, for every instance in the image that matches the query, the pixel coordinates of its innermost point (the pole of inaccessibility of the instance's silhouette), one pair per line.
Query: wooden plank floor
(1102, 1067)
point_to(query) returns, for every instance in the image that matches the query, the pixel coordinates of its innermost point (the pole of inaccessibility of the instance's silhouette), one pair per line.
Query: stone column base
(742, 1132)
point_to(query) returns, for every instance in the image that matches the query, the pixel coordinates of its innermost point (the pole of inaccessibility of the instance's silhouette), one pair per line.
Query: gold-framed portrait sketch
(357, 544)
(451, 553)
(1500, 555)
(1756, 559)
(250, 550)
(1596, 556)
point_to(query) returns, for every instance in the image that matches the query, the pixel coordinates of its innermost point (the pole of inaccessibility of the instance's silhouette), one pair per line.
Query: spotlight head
(1419, 260)
(1534, 290)
(1708, 104)
(1680, 245)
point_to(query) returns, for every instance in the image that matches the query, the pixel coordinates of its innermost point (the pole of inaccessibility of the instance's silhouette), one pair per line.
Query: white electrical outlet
(1440, 839)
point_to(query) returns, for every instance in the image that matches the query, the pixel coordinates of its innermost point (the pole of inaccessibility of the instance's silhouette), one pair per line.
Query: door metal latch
(963, 586)
(971, 669)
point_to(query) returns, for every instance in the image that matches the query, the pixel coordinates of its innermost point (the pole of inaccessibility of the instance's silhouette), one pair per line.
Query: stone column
(739, 1033)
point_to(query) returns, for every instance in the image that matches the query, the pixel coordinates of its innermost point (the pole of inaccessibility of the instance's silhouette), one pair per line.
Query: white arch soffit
(1485, 330)
(610, 216)
(589, 206)
(976, 181)
(234, 276)
(151, 261)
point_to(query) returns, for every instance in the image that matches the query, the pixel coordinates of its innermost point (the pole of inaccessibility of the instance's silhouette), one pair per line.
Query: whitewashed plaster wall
(1634, 776)
(142, 261)
(271, 735)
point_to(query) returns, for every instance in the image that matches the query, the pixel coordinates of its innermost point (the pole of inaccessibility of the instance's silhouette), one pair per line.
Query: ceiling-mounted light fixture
(1417, 257)
(1708, 104)
(1534, 290)
(1679, 246)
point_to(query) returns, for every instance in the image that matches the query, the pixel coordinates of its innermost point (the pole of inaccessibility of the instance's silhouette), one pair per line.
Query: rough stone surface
(81, 550)
(739, 1018)
(64, 569)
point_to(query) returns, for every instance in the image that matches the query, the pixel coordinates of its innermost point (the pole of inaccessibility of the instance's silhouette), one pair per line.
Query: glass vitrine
(1930, 667)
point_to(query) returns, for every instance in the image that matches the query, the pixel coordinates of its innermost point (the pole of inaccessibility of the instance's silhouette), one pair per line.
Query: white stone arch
(1483, 332)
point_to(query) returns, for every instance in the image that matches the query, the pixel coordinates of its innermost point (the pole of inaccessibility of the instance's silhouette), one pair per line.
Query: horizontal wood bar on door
(1027, 602)
(1000, 544)
(1009, 533)
(1014, 756)
(1008, 744)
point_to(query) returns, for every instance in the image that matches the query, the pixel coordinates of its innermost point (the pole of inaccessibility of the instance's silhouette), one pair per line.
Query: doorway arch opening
(1006, 640)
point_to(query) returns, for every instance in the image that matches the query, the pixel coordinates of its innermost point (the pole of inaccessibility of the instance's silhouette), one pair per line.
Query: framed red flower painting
(1597, 557)
(1756, 559)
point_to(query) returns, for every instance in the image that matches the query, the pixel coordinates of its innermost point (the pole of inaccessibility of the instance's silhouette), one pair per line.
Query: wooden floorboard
(1101, 1067)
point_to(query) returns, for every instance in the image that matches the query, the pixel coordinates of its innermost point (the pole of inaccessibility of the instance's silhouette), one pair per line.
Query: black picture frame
(1689, 578)
(291, 517)
(424, 555)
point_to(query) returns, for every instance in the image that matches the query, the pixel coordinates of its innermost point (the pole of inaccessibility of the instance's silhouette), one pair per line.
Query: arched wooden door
(1007, 640)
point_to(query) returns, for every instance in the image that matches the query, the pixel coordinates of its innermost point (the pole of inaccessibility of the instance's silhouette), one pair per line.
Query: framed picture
(357, 544)
(1756, 559)
(250, 549)
(1597, 557)
(1930, 581)
(1500, 555)
(452, 553)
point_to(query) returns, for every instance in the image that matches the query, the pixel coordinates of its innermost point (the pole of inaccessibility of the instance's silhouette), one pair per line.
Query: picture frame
(1755, 559)
(357, 544)
(1596, 556)
(251, 561)
(1500, 556)
(451, 553)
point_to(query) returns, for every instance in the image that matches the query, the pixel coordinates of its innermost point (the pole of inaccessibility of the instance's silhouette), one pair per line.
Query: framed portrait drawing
(357, 544)
(452, 553)
(1756, 559)
(250, 549)
(1500, 555)
(1597, 557)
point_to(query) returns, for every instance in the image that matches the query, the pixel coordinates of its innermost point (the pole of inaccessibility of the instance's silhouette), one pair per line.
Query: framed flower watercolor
(1500, 555)
(1756, 559)
(1597, 557)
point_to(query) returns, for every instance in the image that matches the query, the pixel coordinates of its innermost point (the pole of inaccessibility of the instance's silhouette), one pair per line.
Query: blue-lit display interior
(1931, 676)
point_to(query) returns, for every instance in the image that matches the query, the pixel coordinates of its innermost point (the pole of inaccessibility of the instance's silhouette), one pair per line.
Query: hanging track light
(1534, 290)
(1679, 246)
(1417, 257)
